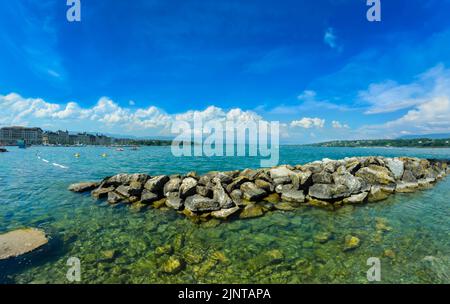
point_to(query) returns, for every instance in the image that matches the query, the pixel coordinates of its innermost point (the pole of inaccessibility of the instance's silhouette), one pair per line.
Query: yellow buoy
(77, 155)
(104, 155)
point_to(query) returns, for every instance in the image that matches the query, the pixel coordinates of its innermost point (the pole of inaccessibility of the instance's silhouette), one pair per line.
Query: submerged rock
(223, 214)
(351, 242)
(172, 265)
(19, 242)
(251, 210)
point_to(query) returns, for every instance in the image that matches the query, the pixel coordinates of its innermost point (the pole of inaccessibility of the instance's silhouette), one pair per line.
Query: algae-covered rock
(376, 175)
(323, 237)
(351, 242)
(377, 194)
(114, 198)
(223, 214)
(251, 210)
(165, 249)
(284, 206)
(173, 265)
(356, 198)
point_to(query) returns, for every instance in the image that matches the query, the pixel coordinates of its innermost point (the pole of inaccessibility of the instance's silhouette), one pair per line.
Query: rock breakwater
(249, 193)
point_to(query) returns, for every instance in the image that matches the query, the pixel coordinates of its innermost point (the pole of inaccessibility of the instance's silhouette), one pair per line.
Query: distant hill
(414, 142)
(429, 136)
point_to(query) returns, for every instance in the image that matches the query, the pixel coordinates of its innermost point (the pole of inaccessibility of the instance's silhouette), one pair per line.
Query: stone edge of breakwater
(249, 193)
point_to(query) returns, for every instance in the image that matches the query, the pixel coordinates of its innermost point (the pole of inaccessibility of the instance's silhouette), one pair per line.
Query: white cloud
(390, 96)
(107, 116)
(307, 123)
(337, 125)
(330, 39)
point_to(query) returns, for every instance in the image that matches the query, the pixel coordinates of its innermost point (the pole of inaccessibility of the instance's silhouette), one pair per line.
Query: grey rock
(236, 183)
(408, 177)
(251, 192)
(280, 172)
(328, 191)
(356, 198)
(293, 196)
(351, 182)
(322, 178)
(148, 197)
(173, 185)
(223, 214)
(174, 201)
(156, 184)
(198, 203)
(83, 187)
(265, 185)
(236, 196)
(205, 191)
(188, 187)
(396, 166)
(221, 196)
(114, 198)
(101, 192)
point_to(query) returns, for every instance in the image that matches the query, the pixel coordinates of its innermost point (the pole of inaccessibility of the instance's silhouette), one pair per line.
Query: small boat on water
(119, 149)
(3, 150)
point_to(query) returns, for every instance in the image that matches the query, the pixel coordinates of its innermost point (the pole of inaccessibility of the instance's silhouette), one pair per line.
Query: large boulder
(293, 196)
(376, 175)
(251, 192)
(83, 187)
(351, 182)
(236, 183)
(114, 198)
(221, 196)
(396, 166)
(280, 172)
(377, 194)
(328, 191)
(156, 184)
(19, 242)
(173, 185)
(101, 192)
(148, 197)
(408, 177)
(198, 203)
(126, 179)
(251, 211)
(322, 178)
(356, 198)
(174, 201)
(188, 187)
(223, 214)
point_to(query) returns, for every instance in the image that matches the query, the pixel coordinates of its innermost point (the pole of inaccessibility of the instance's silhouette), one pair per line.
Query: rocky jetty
(249, 193)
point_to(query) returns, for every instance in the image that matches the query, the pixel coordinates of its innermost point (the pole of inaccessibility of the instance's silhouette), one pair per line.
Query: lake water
(117, 244)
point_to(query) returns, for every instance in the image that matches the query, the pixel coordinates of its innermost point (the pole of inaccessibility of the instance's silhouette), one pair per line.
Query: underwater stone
(19, 242)
(351, 242)
(172, 265)
(251, 210)
(224, 213)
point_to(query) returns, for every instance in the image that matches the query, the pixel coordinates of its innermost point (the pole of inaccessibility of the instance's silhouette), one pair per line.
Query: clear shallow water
(33, 193)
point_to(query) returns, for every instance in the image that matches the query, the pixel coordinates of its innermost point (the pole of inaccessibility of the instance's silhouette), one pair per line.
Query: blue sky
(318, 67)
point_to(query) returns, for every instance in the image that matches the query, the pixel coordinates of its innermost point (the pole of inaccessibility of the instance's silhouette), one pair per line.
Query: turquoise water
(414, 248)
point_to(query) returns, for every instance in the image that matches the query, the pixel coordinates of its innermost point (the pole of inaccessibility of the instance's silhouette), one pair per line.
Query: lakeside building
(11, 136)
(30, 136)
